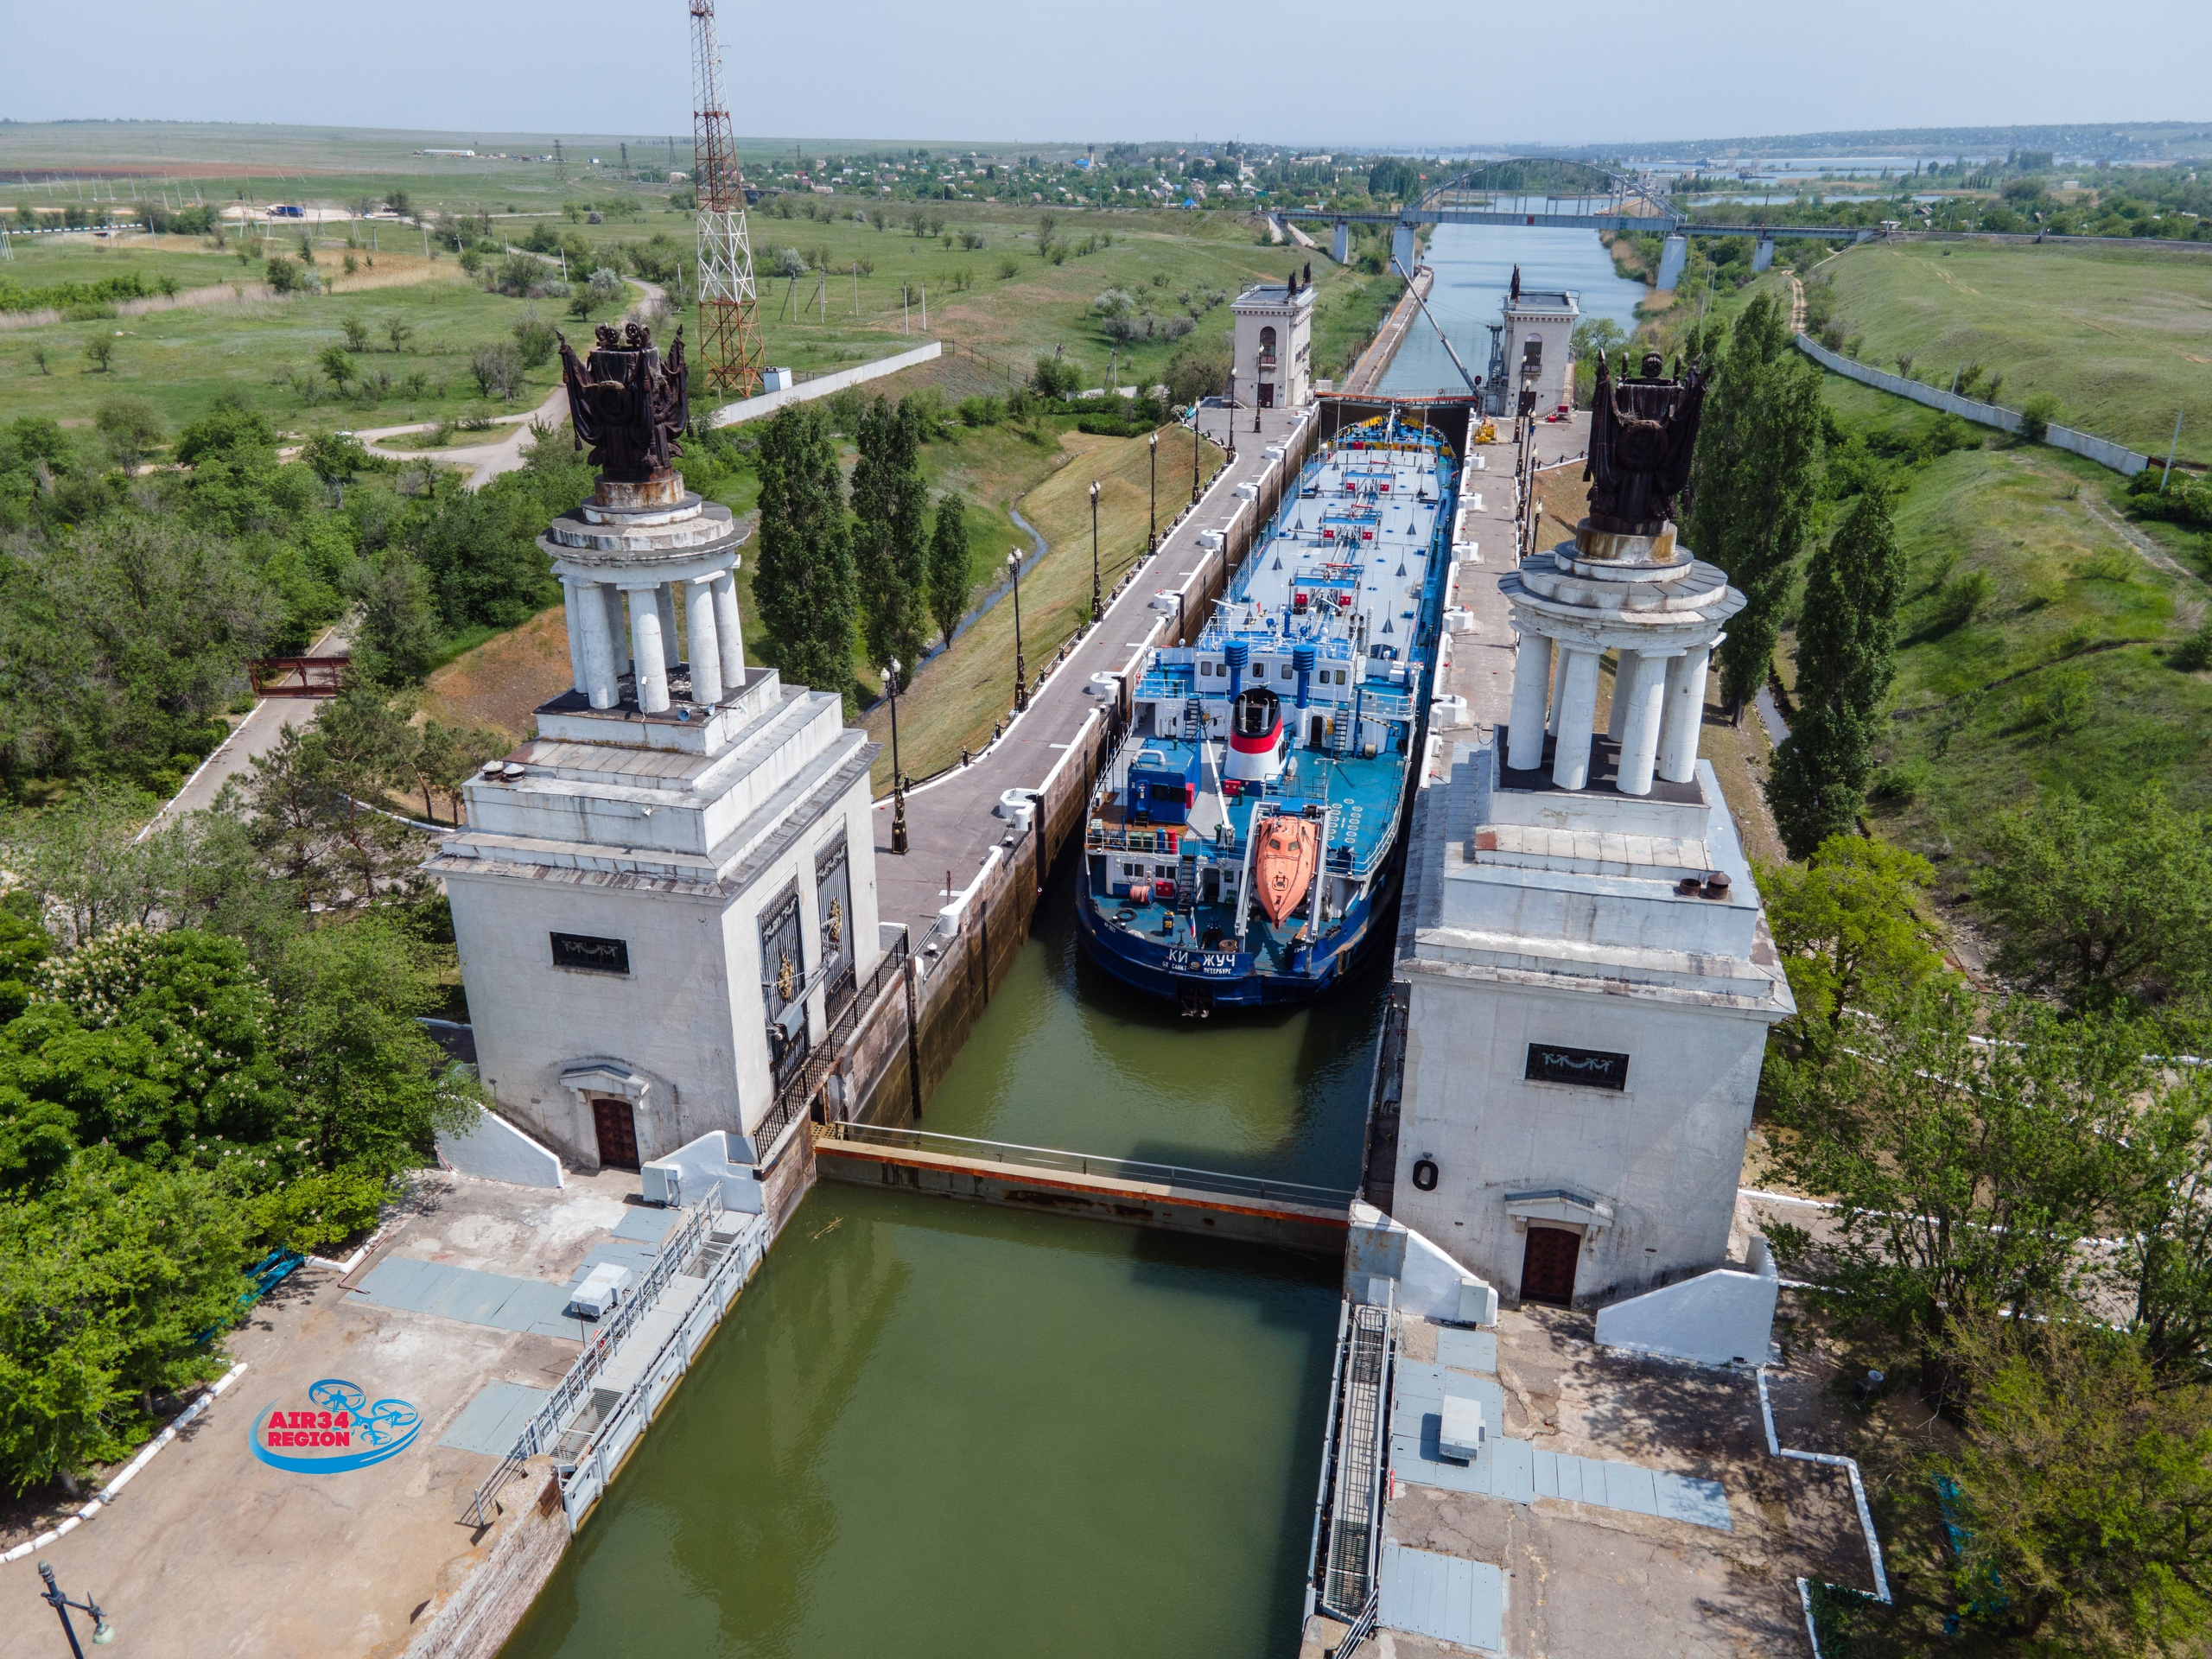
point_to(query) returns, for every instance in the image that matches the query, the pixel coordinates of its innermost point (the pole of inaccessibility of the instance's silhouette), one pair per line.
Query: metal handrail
(1363, 1627)
(1111, 1168)
(551, 1420)
(746, 1252)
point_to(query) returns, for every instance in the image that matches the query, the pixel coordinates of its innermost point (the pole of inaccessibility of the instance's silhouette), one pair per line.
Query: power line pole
(729, 332)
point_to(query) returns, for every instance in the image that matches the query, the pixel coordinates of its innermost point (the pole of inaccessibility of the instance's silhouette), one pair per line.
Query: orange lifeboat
(1283, 863)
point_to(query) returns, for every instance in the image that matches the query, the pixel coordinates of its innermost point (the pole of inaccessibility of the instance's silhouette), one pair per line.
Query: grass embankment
(1005, 299)
(2122, 338)
(961, 692)
(2062, 676)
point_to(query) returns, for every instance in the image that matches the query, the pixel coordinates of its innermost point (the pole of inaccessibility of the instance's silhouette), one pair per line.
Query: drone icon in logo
(346, 1430)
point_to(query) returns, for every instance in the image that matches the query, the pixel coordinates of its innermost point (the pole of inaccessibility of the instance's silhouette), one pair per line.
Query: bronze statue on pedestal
(1642, 431)
(627, 404)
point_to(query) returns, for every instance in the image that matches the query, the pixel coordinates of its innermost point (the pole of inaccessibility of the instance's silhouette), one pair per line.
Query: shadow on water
(941, 1428)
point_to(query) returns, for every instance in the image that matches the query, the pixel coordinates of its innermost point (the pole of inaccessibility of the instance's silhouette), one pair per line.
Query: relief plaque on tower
(1642, 432)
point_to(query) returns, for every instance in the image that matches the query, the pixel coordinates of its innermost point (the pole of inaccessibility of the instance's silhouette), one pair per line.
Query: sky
(1300, 71)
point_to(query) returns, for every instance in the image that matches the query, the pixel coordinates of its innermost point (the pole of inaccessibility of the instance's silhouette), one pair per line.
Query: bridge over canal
(1551, 192)
(1210, 1203)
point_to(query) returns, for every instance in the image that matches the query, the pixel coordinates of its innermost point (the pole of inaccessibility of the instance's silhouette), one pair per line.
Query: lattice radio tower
(729, 333)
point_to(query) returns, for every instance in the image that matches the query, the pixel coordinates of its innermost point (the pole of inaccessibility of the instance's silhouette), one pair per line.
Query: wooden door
(1548, 1266)
(618, 1134)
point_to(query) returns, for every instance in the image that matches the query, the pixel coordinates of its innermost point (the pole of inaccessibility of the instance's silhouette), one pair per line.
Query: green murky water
(939, 1428)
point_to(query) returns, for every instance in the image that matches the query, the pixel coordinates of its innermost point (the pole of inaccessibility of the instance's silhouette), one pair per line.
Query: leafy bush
(1054, 377)
(1963, 598)
(981, 412)
(496, 370)
(2062, 704)
(2036, 417)
(534, 340)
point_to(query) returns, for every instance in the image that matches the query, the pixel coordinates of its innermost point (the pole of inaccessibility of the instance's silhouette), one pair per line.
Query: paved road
(951, 822)
(256, 734)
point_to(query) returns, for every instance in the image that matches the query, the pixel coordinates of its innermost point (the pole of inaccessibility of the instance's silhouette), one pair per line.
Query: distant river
(1474, 267)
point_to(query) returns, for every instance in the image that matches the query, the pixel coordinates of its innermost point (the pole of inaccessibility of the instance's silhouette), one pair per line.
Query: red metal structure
(729, 332)
(298, 677)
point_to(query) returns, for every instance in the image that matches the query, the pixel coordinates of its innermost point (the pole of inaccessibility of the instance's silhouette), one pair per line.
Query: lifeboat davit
(1283, 863)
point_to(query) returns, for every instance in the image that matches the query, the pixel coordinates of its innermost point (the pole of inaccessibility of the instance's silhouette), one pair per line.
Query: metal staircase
(1194, 719)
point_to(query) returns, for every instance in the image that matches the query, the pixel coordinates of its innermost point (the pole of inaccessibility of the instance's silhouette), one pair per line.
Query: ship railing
(1386, 705)
(1266, 1188)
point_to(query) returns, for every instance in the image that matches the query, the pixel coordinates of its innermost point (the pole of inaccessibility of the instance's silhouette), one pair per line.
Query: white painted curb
(107, 1493)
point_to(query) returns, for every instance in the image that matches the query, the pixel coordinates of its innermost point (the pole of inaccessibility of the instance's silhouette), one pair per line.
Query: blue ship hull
(1233, 979)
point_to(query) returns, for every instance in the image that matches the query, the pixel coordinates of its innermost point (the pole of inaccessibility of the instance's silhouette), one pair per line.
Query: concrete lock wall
(2103, 451)
(1428, 1283)
(768, 403)
(716, 1158)
(508, 1566)
(495, 1150)
(1719, 1317)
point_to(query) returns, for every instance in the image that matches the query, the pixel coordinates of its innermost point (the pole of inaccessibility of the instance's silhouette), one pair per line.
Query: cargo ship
(1244, 837)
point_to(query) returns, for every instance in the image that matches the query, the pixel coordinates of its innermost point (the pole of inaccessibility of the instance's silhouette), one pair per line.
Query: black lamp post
(1229, 422)
(1097, 609)
(102, 1632)
(898, 778)
(1152, 541)
(1021, 670)
(1194, 455)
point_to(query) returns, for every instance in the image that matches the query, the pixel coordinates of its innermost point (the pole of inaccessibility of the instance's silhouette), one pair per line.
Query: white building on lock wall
(1589, 975)
(1273, 349)
(664, 898)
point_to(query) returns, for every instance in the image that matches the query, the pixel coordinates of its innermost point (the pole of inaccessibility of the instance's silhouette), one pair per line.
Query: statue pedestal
(664, 490)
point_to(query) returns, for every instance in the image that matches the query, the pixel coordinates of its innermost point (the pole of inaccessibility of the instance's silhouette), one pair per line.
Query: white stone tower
(667, 896)
(1589, 975)
(1659, 612)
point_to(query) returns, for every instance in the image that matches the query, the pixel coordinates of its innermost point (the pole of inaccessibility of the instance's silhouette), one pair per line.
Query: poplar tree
(1752, 482)
(1847, 649)
(950, 569)
(804, 578)
(890, 533)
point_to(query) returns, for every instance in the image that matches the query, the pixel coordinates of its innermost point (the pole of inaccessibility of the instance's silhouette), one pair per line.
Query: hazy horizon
(1031, 77)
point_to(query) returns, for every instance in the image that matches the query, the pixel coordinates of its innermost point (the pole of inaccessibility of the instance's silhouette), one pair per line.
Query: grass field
(181, 360)
(2121, 338)
(2062, 678)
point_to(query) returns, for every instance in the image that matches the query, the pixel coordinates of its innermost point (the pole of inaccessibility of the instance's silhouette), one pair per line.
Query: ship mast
(730, 334)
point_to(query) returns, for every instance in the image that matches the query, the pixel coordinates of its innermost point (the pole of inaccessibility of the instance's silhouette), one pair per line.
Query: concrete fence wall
(768, 403)
(2103, 451)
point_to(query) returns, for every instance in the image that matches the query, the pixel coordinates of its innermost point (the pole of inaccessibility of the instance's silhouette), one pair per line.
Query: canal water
(938, 1428)
(1474, 268)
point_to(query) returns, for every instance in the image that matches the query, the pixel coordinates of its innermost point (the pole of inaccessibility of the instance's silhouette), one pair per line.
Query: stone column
(1623, 672)
(672, 642)
(1577, 713)
(1684, 720)
(728, 633)
(648, 655)
(571, 605)
(706, 649)
(1642, 696)
(595, 647)
(618, 629)
(1558, 686)
(1532, 678)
